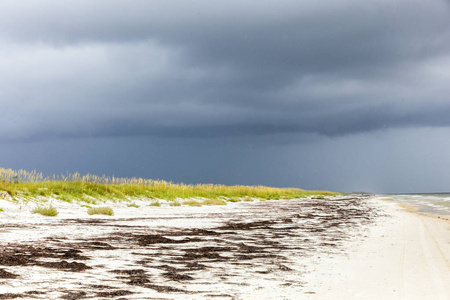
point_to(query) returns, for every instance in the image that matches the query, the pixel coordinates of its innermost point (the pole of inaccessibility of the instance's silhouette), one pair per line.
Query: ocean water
(438, 204)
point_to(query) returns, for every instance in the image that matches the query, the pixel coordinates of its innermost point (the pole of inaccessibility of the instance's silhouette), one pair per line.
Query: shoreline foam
(431, 204)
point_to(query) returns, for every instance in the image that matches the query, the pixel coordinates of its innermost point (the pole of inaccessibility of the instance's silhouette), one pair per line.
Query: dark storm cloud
(206, 69)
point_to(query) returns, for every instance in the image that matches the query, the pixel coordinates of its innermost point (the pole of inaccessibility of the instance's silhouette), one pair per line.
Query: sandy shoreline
(343, 248)
(405, 256)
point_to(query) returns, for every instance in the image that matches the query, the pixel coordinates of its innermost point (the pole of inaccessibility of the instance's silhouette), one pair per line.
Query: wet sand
(341, 248)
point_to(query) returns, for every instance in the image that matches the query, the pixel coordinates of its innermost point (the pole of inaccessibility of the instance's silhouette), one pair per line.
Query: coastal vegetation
(91, 189)
(105, 210)
(46, 211)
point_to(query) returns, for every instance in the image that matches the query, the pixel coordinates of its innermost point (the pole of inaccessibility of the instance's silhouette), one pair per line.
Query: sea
(434, 203)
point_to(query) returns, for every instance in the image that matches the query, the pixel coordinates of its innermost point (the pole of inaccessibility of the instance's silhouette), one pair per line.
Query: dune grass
(192, 203)
(235, 199)
(105, 210)
(214, 202)
(45, 211)
(93, 189)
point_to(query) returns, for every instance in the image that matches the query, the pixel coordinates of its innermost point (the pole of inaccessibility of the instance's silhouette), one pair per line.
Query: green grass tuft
(46, 211)
(214, 202)
(233, 199)
(155, 203)
(192, 203)
(105, 210)
(132, 205)
(1, 209)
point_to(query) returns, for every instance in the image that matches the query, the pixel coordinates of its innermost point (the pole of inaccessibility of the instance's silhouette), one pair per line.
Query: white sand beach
(405, 256)
(341, 248)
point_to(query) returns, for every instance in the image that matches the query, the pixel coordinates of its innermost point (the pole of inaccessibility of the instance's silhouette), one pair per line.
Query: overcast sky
(338, 94)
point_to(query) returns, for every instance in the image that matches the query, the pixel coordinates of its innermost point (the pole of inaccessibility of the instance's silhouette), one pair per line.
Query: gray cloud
(399, 160)
(339, 94)
(197, 69)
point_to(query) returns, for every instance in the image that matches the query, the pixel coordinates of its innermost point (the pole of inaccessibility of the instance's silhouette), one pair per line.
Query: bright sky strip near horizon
(340, 95)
